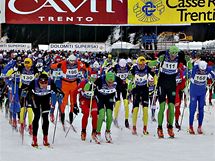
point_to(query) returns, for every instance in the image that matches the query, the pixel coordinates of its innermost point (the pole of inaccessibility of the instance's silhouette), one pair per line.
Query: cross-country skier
(88, 103)
(70, 80)
(106, 87)
(169, 61)
(140, 72)
(40, 91)
(57, 77)
(197, 93)
(121, 70)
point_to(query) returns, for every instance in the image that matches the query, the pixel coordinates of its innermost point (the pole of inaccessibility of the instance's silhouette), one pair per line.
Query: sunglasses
(27, 62)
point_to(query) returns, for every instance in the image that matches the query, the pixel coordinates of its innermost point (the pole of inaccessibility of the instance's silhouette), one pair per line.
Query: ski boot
(98, 138)
(108, 136)
(93, 135)
(134, 130)
(83, 135)
(14, 124)
(191, 131)
(145, 132)
(71, 117)
(160, 132)
(199, 130)
(153, 119)
(177, 125)
(210, 103)
(64, 128)
(21, 129)
(34, 142)
(126, 123)
(52, 117)
(116, 123)
(45, 141)
(170, 131)
(30, 129)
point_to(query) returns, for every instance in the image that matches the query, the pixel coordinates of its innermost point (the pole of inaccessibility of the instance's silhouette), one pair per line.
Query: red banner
(66, 11)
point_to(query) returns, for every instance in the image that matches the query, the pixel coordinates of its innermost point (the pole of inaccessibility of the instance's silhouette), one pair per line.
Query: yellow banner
(149, 12)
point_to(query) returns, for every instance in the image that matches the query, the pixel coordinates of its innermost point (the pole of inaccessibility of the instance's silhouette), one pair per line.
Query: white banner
(89, 47)
(15, 46)
(2, 11)
(43, 47)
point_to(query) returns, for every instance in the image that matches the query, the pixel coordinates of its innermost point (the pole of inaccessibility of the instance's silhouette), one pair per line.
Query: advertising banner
(83, 47)
(149, 12)
(66, 12)
(15, 46)
(2, 11)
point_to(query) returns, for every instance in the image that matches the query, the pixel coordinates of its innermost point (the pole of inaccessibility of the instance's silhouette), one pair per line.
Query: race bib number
(27, 78)
(140, 79)
(107, 91)
(122, 76)
(200, 78)
(72, 72)
(169, 65)
(56, 73)
(88, 93)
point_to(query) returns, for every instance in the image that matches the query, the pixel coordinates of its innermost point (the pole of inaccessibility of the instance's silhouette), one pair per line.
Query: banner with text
(66, 11)
(15, 46)
(89, 47)
(2, 11)
(149, 12)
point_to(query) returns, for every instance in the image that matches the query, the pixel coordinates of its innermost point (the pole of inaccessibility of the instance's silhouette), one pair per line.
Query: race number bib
(140, 79)
(88, 93)
(27, 78)
(200, 78)
(72, 72)
(107, 91)
(169, 65)
(122, 76)
(56, 73)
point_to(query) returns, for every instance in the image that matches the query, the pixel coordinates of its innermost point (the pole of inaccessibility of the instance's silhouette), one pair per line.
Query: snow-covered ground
(125, 147)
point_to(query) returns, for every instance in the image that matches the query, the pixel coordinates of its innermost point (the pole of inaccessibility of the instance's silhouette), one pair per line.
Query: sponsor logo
(75, 11)
(148, 10)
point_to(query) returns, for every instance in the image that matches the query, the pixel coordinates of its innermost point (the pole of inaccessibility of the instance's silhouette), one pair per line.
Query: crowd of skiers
(32, 82)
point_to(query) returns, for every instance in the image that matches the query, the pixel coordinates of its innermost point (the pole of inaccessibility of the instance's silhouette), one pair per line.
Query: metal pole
(95, 34)
(0, 30)
(64, 33)
(79, 33)
(48, 33)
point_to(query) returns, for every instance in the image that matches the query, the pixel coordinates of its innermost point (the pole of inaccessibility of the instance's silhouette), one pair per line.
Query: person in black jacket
(40, 91)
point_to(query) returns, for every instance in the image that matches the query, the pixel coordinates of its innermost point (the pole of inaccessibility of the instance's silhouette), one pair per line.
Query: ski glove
(60, 94)
(59, 65)
(87, 86)
(15, 69)
(131, 85)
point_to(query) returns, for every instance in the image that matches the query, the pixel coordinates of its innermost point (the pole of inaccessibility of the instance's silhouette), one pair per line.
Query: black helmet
(43, 77)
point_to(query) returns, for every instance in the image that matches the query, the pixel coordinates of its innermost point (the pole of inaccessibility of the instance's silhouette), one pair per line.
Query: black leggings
(123, 90)
(167, 87)
(42, 108)
(140, 94)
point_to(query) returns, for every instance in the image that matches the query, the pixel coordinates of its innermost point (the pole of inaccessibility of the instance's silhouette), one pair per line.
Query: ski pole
(71, 126)
(182, 116)
(91, 99)
(55, 126)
